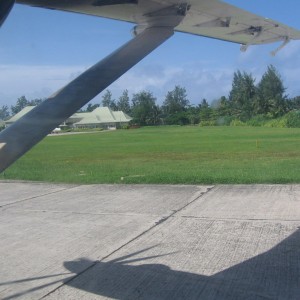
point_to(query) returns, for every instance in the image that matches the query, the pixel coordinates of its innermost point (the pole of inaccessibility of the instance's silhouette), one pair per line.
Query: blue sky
(42, 50)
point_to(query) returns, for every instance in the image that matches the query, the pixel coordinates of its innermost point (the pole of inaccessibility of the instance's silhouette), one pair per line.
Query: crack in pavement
(41, 195)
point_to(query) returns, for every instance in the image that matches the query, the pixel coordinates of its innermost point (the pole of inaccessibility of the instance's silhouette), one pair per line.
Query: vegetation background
(261, 145)
(248, 103)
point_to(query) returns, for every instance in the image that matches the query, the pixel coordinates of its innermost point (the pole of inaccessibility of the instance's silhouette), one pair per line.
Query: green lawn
(187, 155)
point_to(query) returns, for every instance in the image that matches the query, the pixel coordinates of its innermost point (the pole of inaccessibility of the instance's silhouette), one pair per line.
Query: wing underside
(210, 18)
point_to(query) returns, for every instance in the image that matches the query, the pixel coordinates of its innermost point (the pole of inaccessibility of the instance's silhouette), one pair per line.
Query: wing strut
(21, 136)
(5, 8)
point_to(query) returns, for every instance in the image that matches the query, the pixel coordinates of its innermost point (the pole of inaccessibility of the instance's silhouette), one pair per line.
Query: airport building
(101, 117)
(19, 115)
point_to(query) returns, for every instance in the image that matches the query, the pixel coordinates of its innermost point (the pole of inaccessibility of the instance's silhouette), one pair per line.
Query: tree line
(6, 112)
(247, 103)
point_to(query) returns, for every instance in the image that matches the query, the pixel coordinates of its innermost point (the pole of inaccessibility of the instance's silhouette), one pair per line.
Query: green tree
(270, 94)
(294, 103)
(222, 107)
(90, 107)
(175, 101)
(21, 103)
(155, 116)
(221, 111)
(206, 112)
(124, 102)
(175, 106)
(192, 114)
(144, 109)
(4, 112)
(108, 101)
(35, 102)
(242, 95)
(178, 118)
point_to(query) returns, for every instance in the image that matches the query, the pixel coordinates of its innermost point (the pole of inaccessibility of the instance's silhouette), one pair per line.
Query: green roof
(121, 116)
(20, 114)
(102, 115)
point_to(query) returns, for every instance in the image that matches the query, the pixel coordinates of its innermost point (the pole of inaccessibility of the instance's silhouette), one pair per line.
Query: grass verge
(165, 155)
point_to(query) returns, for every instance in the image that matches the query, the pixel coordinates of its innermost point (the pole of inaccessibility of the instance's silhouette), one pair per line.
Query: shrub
(207, 123)
(237, 122)
(277, 123)
(179, 118)
(293, 119)
(224, 121)
(259, 120)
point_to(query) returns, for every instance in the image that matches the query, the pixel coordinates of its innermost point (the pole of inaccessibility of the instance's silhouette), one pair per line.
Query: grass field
(186, 155)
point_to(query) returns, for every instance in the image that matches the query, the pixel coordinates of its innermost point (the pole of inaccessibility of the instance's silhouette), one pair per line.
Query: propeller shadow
(274, 274)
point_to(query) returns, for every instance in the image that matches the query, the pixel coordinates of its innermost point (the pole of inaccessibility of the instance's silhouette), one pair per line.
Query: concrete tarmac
(149, 241)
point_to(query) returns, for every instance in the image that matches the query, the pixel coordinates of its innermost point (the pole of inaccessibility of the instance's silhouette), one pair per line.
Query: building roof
(20, 114)
(102, 115)
(88, 119)
(121, 116)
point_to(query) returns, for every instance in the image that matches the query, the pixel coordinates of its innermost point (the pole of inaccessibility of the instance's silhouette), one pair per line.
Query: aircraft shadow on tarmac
(274, 274)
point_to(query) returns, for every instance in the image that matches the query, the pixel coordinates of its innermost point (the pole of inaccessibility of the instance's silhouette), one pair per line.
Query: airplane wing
(209, 18)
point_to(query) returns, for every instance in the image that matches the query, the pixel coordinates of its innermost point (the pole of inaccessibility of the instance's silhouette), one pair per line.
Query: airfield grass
(165, 155)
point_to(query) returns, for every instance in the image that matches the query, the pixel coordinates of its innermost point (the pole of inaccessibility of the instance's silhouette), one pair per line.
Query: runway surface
(149, 241)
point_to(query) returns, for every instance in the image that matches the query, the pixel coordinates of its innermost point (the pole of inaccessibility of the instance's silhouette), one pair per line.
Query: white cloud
(200, 82)
(33, 81)
(291, 80)
(42, 81)
(200, 79)
(290, 51)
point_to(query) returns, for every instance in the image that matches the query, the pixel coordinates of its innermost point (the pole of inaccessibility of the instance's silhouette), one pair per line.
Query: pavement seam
(41, 195)
(200, 195)
(87, 213)
(163, 219)
(239, 219)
